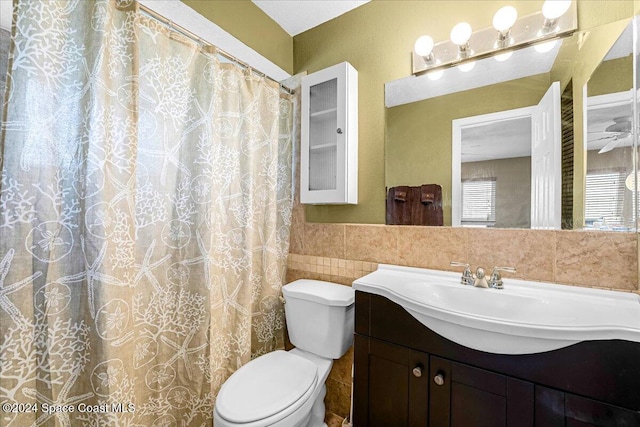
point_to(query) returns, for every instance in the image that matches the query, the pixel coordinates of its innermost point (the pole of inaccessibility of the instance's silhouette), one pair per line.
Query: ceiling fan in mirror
(618, 133)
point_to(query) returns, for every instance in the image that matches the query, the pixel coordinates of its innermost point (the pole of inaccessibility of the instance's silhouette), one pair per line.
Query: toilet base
(316, 418)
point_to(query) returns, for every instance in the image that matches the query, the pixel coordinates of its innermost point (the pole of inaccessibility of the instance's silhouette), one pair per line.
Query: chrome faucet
(467, 276)
(479, 279)
(495, 281)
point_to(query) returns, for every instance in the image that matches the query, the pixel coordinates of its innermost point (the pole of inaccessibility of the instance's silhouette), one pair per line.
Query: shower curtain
(145, 205)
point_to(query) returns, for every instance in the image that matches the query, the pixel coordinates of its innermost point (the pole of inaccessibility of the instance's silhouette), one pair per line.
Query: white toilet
(286, 388)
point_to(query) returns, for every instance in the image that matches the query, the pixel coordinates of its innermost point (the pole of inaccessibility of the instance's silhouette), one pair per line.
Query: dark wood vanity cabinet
(395, 395)
(407, 375)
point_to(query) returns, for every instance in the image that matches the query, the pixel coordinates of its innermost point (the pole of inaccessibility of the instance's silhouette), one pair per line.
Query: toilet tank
(320, 316)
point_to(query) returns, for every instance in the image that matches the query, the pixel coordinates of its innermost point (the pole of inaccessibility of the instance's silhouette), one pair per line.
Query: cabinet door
(463, 396)
(390, 385)
(556, 408)
(328, 171)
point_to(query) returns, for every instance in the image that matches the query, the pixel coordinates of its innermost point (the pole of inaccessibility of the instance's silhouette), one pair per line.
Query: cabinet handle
(339, 130)
(439, 379)
(417, 371)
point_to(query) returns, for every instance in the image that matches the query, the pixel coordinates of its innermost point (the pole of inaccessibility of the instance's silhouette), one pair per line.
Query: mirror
(491, 170)
(506, 167)
(609, 179)
(419, 145)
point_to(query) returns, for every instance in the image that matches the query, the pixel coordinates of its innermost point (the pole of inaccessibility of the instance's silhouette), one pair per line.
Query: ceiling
(297, 16)
(512, 138)
(502, 139)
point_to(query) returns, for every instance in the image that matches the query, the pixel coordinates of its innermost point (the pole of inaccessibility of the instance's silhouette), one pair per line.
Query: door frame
(458, 125)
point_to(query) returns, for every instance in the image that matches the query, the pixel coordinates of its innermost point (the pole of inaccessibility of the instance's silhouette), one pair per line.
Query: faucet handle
(495, 281)
(460, 264)
(467, 275)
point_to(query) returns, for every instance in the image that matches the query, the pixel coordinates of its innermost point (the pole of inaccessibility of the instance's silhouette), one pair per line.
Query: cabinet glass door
(329, 136)
(323, 135)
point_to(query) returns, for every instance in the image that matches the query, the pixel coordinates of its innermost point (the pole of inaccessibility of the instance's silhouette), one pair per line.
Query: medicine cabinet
(329, 148)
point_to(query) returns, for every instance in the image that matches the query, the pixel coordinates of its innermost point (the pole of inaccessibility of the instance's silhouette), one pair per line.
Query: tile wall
(582, 258)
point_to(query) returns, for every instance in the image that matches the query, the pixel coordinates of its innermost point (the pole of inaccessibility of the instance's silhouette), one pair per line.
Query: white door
(546, 160)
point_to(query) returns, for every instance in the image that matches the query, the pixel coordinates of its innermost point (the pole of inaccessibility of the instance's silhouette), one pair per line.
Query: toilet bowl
(287, 388)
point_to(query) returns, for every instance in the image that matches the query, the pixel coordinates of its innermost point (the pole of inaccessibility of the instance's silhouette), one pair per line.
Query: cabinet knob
(417, 371)
(339, 130)
(439, 379)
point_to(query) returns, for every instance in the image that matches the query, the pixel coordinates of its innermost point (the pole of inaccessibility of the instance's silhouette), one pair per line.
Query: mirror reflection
(495, 171)
(421, 139)
(506, 167)
(609, 141)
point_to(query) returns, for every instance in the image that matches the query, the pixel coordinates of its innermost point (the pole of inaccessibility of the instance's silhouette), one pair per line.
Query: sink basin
(523, 318)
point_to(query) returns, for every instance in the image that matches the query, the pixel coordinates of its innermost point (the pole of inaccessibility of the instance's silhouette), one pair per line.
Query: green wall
(377, 40)
(611, 76)
(249, 24)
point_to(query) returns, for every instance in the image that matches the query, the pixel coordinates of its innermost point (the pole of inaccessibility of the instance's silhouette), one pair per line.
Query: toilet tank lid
(321, 292)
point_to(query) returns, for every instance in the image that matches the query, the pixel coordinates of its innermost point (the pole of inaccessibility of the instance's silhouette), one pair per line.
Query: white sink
(525, 317)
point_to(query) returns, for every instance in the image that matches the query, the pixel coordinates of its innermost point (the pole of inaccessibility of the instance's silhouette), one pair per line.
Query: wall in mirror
(420, 148)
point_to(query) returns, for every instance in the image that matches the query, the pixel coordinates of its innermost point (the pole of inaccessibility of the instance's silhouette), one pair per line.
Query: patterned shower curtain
(145, 205)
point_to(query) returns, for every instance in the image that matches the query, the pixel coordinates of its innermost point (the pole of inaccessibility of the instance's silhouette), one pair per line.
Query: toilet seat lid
(266, 386)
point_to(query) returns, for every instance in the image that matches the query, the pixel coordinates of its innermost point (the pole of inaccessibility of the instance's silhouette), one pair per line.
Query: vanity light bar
(526, 31)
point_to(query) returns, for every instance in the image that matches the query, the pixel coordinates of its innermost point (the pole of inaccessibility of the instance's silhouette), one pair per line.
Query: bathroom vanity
(408, 375)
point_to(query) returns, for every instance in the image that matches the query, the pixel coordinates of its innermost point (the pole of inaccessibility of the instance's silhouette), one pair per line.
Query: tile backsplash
(582, 258)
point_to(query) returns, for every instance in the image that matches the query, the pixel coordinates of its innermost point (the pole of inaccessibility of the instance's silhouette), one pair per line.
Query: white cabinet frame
(339, 172)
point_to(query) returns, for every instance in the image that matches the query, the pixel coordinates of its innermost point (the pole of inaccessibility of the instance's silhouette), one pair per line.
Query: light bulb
(461, 33)
(504, 19)
(435, 75)
(545, 47)
(554, 9)
(503, 56)
(630, 182)
(467, 66)
(423, 46)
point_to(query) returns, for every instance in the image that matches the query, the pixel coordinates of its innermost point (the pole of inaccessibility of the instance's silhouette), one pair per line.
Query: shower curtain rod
(191, 35)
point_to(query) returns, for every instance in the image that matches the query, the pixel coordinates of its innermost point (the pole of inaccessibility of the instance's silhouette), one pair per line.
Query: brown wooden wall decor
(420, 205)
